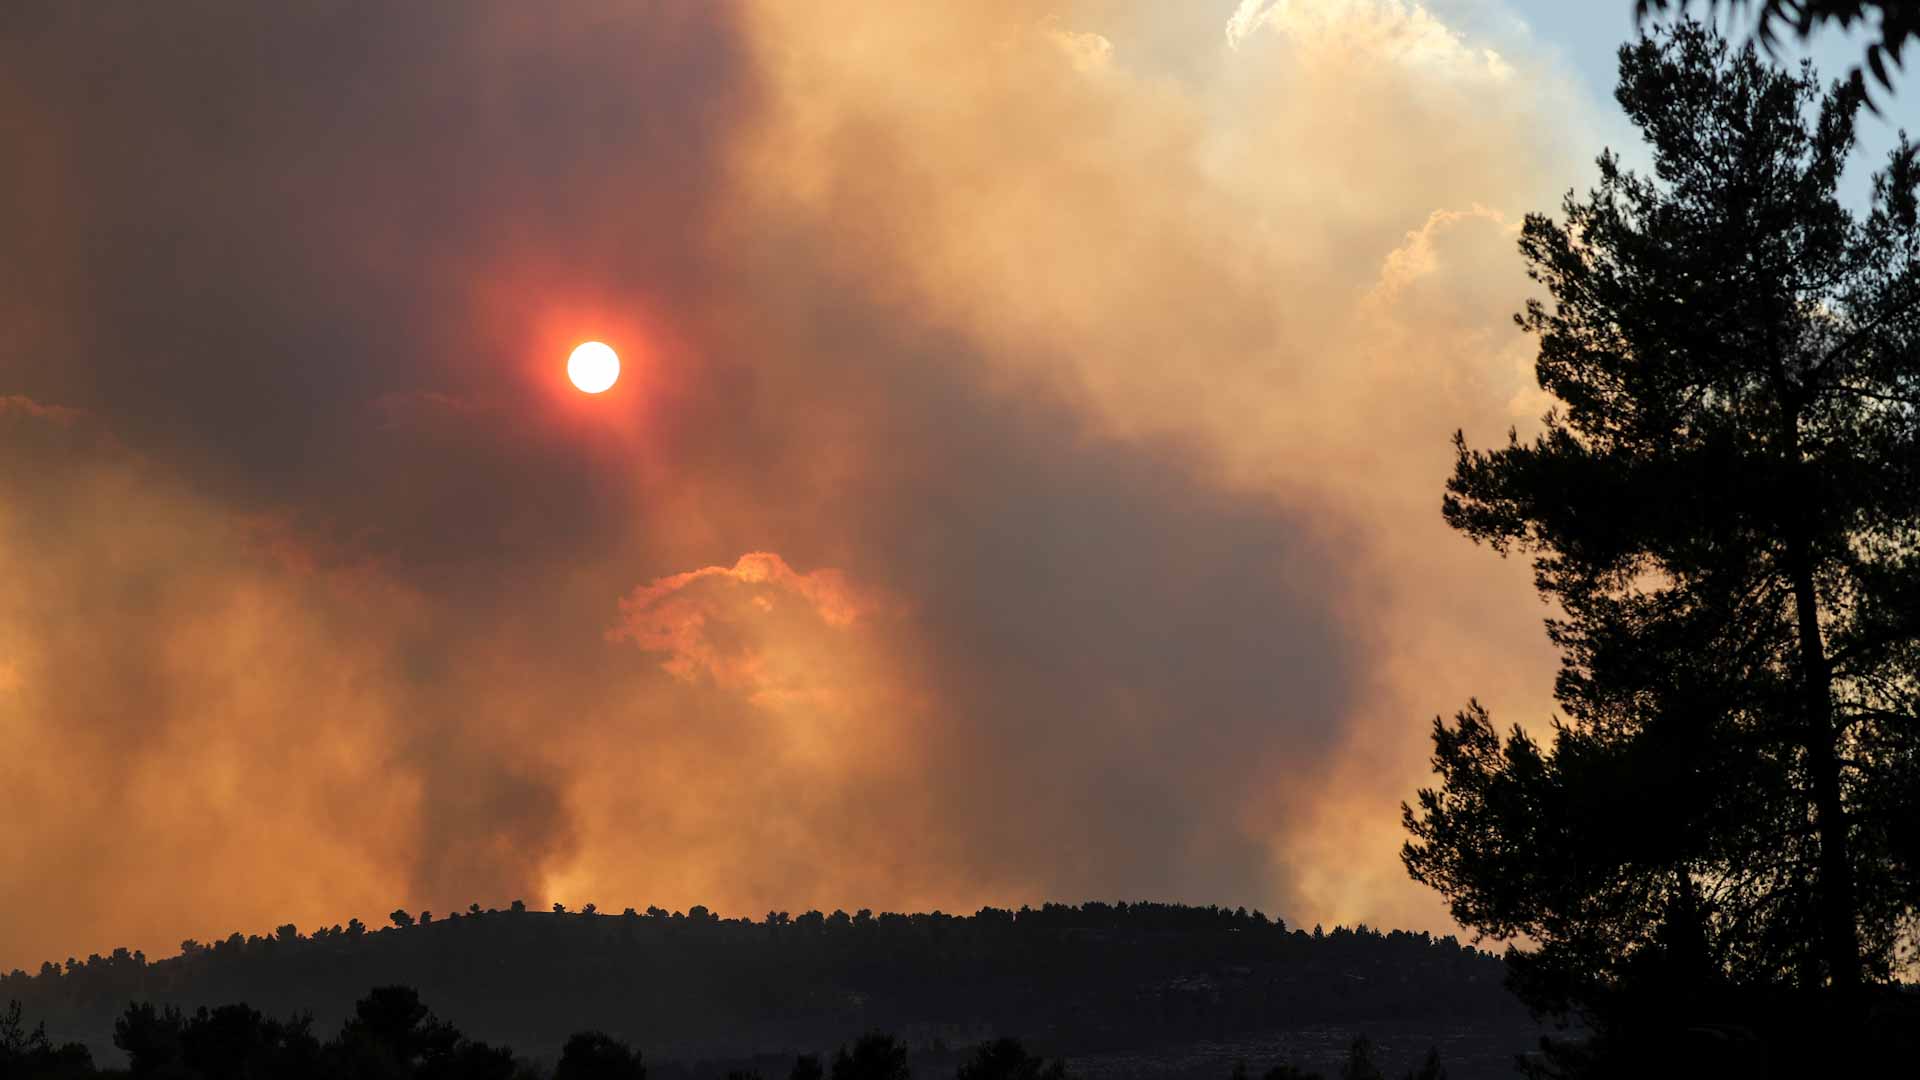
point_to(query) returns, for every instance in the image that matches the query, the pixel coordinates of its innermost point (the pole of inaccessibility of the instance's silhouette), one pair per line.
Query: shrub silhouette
(874, 1057)
(1359, 1064)
(1008, 1059)
(594, 1055)
(29, 1053)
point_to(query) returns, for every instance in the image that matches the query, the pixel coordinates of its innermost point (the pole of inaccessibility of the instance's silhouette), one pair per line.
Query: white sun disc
(593, 367)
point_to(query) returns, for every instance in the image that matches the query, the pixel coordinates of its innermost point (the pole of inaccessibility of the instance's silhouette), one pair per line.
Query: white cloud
(1406, 33)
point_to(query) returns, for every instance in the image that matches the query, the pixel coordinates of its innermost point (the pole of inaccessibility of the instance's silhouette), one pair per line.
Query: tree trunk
(1839, 937)
(1839, 934)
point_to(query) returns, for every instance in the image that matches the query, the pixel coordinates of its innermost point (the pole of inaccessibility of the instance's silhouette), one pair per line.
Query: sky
(1023, 483)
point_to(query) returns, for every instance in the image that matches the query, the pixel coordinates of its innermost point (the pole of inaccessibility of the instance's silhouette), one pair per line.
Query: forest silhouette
(690, 987)
(391, 1035)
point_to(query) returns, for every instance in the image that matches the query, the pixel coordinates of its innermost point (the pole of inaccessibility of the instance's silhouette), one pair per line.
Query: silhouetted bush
(1431, 1068)
(28, 1053)
(874, 1057)
(1008, 1059)
(594, 1055)
(1359, 1064)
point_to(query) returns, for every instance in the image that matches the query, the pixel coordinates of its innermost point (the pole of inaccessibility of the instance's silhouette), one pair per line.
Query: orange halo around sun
(593, 367)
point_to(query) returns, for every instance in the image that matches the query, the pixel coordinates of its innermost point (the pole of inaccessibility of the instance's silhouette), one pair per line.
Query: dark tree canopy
(1725, 509)
(1359, 1064)
(1009, 1059)
(28, 1051)
(1898, 21)
(594, 1055)
(875, 1056)
(1091, 978)
(391, 1036)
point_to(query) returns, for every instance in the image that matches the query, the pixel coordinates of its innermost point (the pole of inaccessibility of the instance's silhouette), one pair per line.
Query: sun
(593, 367)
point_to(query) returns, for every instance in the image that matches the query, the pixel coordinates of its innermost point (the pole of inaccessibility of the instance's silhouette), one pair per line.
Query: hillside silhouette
(392, 1034)
(1088, 979)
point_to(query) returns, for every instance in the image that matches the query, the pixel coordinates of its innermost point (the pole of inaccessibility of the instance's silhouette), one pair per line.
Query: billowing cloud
(1376, 30)
(1022, 484)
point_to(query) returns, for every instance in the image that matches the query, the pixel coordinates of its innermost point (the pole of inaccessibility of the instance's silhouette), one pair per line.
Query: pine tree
(1725, 509)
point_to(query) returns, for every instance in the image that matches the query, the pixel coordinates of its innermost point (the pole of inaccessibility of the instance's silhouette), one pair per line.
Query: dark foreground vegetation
(392, 1035)
(1889, 24)
(695, 987)
(1713, 855)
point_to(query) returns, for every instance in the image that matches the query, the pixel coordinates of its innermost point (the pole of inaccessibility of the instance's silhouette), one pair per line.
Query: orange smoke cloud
(1093, 364)
(738, 626)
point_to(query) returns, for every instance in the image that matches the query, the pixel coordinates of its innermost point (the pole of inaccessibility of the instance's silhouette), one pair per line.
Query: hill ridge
(1092, 977)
